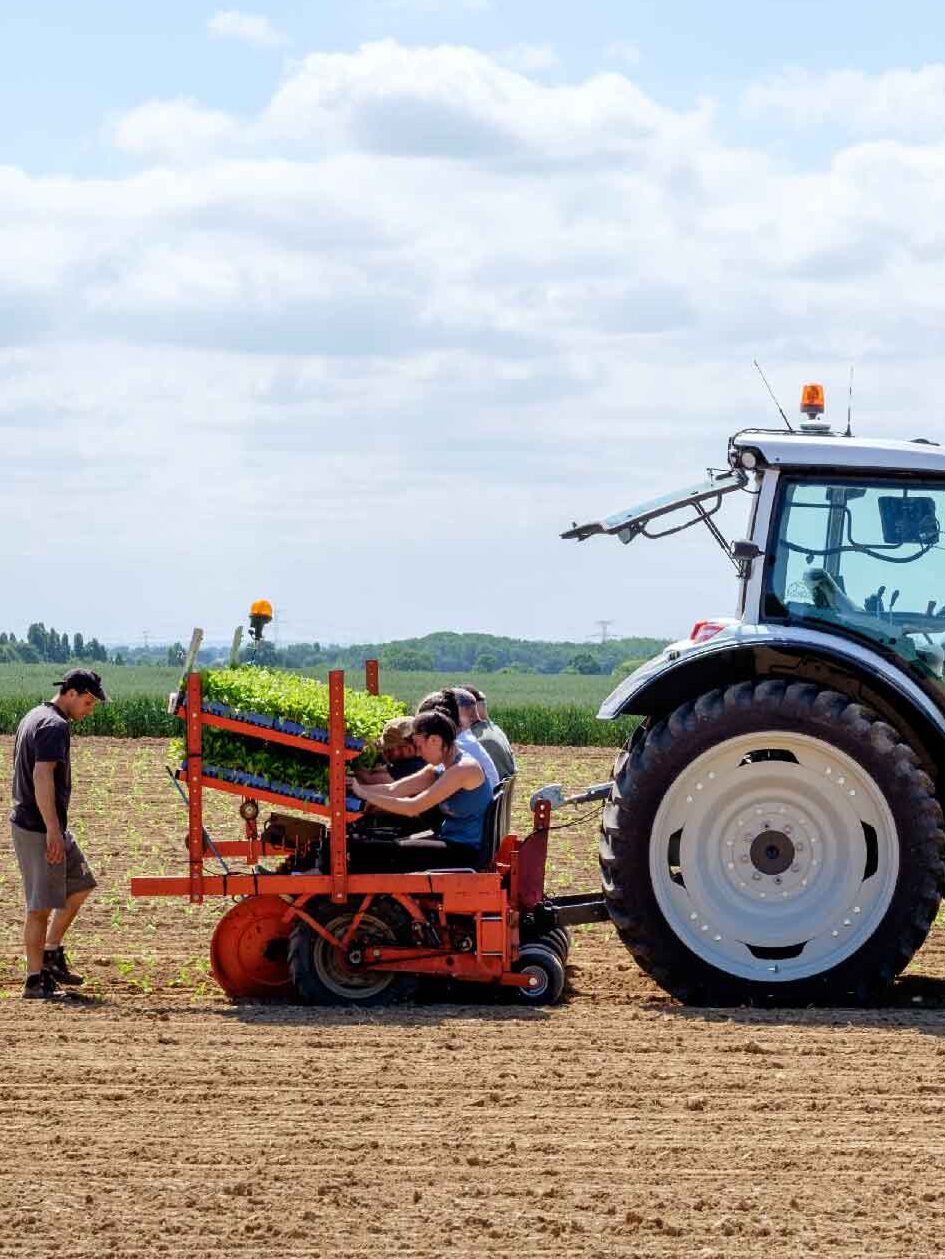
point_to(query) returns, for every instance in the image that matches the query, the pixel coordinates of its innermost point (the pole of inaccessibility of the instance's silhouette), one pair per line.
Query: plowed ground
(157, 1117)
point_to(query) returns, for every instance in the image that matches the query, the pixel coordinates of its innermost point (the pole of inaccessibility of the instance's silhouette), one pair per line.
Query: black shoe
(43, 987)
(56, 964)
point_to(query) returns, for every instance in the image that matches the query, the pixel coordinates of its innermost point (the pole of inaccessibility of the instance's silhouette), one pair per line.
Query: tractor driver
(450, 780)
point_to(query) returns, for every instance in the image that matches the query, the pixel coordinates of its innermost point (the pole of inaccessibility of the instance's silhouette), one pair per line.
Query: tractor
(773, 834)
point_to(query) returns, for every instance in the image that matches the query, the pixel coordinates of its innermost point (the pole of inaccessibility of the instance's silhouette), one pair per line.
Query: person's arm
(44, 785)
(408, 786)
(447, 784)
(372, 776)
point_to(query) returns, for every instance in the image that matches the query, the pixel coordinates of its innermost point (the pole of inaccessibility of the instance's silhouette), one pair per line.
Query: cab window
(864, 558)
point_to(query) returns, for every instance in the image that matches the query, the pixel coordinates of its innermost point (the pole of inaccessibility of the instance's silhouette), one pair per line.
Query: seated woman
(451, 780)
(399, 760)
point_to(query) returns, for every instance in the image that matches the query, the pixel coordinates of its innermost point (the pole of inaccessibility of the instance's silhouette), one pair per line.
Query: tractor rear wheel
(774, 843)
(325, 975)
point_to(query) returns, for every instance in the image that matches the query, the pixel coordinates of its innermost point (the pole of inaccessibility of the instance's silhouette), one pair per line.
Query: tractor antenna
(773, 398)
(849, 432)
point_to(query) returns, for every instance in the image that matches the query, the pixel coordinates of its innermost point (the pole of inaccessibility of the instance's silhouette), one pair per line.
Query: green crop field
(121, 681)
(533, 708)
(503, 690)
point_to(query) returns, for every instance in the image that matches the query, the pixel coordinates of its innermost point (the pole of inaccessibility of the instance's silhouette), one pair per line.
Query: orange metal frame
(493, 898)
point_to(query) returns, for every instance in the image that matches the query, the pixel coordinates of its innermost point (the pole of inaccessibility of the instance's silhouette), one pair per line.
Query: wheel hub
(771, 852)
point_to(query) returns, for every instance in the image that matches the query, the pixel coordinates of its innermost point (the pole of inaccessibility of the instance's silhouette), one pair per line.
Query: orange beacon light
(812, 400)
(260, 614)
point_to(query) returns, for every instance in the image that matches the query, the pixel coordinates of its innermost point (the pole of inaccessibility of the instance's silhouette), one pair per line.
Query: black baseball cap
(84, 682)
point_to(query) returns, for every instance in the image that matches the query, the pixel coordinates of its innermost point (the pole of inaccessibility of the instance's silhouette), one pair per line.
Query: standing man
(491, 736)
(56, 876)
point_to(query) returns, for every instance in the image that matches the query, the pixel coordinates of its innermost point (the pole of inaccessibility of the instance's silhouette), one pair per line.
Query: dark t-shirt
(403, 769)
(42, 735)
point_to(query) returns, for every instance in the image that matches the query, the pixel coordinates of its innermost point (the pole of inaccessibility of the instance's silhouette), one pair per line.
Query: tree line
(444, 651)
(42, 645)
(464, 653)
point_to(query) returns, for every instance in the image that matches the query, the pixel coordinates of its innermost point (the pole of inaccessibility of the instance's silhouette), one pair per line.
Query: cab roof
(829, 450)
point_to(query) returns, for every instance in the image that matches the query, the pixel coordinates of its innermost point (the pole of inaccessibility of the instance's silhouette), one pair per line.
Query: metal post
(372, 681)
(336, 785)
(252, 841)
(195, 790)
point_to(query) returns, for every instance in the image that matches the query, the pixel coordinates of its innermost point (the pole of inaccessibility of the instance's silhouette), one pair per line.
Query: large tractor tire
(773, 843)
(324, 975)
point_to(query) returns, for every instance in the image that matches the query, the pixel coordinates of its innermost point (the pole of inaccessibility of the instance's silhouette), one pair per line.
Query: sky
(356, 306)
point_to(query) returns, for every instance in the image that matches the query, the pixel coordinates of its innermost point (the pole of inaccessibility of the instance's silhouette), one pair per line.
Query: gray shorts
(46, 884)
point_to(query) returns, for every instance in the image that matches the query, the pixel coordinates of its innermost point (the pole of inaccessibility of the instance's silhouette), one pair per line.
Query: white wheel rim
(540, 975)
(750, 860)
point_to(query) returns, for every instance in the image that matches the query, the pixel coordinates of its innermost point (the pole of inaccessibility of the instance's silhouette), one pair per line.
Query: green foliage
(450, 652)
(299, 698)
(134, 717)
(583, 662)
(564, 727)
(513, 689)
(406, 659)
(48, 644)
(296, 698)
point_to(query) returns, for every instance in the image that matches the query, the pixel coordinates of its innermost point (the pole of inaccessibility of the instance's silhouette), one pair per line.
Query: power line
(603, 631)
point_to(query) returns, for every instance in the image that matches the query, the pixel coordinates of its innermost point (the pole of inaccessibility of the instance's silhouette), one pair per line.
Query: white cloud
(173, 129)
(902, 103)
(456, 101)
(248, 28)
(420, 278)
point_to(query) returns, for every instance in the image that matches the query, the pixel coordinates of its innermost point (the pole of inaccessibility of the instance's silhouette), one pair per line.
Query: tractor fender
(744, 652)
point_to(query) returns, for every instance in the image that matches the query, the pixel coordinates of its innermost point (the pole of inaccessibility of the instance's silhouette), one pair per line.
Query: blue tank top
(464, 811)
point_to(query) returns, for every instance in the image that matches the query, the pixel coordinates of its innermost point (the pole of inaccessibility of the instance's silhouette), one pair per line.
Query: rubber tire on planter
(563, 936)
(542, 962)
(552, 940)
(322, 977)
(814, 756)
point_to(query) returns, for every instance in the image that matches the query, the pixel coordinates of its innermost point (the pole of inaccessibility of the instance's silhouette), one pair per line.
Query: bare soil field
(157, 1117)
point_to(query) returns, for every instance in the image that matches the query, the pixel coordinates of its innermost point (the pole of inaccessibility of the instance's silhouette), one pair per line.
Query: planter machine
(317, 930)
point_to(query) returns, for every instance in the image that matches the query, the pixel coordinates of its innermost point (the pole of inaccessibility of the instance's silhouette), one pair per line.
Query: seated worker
(451, 780)
(399, 760)
(491, 736)
(448, 702)
(399, 757)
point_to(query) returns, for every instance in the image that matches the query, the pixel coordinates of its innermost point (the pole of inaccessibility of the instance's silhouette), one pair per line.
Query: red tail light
(702, 631)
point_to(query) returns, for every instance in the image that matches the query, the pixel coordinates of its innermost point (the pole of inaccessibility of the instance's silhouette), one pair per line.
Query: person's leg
(34, 938)
(79, 881)
(62, 918)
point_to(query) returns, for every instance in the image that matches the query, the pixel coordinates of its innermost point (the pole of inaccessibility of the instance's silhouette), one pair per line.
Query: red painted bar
(372, 677)
(336, 786)
(194, 796)
(475, 887)
(252, 731)
(273, 797)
